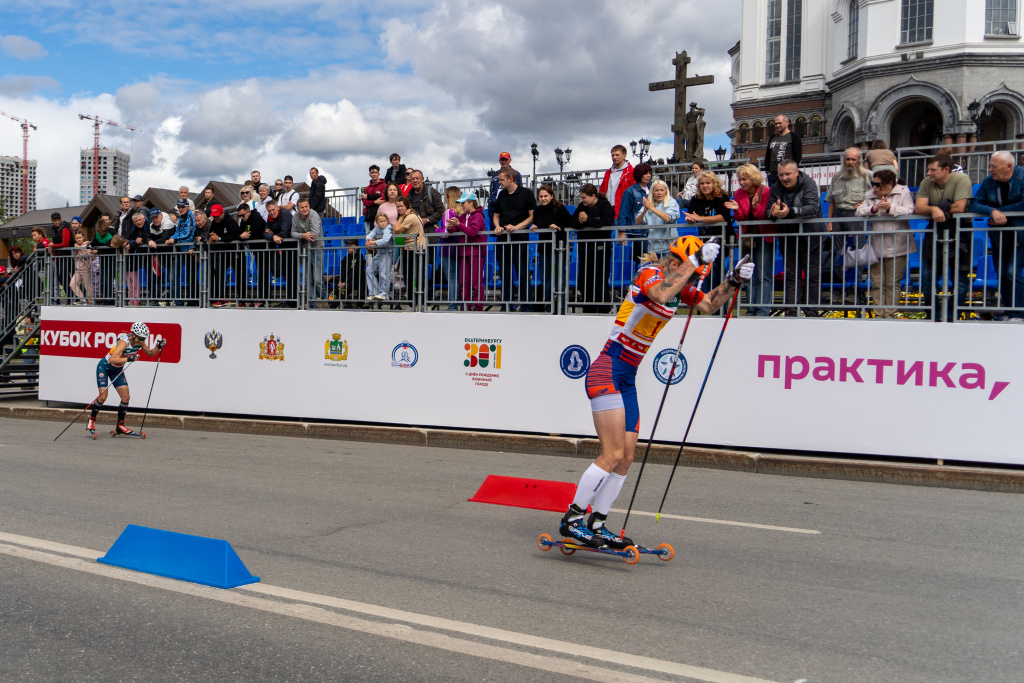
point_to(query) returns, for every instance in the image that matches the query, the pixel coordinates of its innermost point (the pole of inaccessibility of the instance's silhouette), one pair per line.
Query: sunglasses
(246, 192)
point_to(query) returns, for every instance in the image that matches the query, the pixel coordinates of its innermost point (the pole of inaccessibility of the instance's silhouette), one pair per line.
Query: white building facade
(11, 187)
(849, 72)
(112, 173)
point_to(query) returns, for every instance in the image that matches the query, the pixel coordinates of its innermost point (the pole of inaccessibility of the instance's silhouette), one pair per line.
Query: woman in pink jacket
(749, 204)
(474, 254)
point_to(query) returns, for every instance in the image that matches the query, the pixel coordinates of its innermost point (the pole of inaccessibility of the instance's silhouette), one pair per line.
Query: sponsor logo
(336, 349)
(213, 341)
(483, 360)
(404, 355)
(663, 366)
(575, 361)
(271, 348)
(90, 339)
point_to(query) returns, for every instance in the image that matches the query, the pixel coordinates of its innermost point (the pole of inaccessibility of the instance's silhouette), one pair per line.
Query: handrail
(21, 345)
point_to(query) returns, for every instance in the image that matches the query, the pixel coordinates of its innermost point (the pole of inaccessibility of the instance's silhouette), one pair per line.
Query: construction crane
(96, 147)
(25, 125)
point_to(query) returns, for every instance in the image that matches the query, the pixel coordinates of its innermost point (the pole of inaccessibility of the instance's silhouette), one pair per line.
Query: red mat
(533, 494)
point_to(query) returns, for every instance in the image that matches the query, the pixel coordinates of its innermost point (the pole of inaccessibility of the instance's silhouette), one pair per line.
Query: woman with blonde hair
(750, 203)
(709, 213)
(447, 252)
(659, 210)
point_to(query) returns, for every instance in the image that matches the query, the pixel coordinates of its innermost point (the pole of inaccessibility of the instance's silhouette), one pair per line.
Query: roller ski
(121, 430)
(630, 554)
(91, 427)
(593, 536)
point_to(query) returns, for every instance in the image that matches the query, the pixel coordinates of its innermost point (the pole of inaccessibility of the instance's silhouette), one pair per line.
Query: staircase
(20, 300)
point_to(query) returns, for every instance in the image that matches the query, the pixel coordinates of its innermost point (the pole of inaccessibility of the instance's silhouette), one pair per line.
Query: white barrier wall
(853, 386)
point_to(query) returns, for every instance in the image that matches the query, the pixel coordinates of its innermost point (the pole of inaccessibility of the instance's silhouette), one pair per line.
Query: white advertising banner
(870, 387)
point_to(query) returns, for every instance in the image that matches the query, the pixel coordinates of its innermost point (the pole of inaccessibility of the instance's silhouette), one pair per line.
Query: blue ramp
(207, 561)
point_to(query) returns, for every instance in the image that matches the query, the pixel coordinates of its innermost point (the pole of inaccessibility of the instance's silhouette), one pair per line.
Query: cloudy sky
(217, 90)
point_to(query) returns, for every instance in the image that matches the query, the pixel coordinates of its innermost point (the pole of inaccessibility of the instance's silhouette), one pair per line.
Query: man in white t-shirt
(289, 198)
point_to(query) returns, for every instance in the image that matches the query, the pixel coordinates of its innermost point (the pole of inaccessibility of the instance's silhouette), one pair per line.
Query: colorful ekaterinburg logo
(213, 341)
(404, 355)
(271, 348)
(663, 366)
(575, 361)
(336, 348)
(483, 353)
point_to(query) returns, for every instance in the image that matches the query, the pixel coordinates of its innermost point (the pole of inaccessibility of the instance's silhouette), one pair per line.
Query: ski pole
(664, 395)
(155, 370)
(123, 368)
(693, 413)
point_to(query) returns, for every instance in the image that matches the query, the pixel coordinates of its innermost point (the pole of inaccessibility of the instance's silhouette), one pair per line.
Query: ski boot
(92, 426)
(576, 530)
(121, 430)
(602, 533)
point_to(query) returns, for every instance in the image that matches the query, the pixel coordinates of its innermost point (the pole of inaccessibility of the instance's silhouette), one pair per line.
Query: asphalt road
(899, 583)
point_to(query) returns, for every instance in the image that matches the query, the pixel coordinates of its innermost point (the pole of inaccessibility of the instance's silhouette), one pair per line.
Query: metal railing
(20, 296)
(973, 156)
(972, 271)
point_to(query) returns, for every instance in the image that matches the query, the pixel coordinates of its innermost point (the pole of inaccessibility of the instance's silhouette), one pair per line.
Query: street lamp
(562, 157)
(645, 148)
(720, 153)
(536, 155)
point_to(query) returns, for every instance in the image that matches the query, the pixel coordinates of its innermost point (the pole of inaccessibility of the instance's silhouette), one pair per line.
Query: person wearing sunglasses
(247, 196)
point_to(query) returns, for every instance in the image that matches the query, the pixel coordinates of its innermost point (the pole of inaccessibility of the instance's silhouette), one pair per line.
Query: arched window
(916, 20)
(800, 128)
(769, 129)
(758, 132)
(743, 135)
(853, 25)
(816, 129)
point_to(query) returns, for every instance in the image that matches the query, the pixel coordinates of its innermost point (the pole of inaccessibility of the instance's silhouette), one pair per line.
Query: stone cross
(680, 128)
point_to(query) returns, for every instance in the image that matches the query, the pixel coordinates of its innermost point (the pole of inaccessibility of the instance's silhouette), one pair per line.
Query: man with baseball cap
(224, 236)
(505, 161)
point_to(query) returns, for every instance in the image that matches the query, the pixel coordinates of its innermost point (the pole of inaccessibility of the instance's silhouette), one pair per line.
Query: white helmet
(140, 330)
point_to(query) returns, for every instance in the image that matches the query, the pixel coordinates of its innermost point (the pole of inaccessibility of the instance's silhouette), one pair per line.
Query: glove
(161, 344)
(706, 254)
(131, 357)
(744, 270)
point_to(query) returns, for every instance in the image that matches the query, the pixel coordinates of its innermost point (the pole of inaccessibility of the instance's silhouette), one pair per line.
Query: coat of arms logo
(213, 341)
(336, 348)
(271, 348)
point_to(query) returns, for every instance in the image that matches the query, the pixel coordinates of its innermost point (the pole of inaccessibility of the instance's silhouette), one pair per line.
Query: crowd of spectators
(779, 205)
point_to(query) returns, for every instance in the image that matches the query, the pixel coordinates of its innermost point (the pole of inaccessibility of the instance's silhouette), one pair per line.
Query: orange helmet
(685, 247)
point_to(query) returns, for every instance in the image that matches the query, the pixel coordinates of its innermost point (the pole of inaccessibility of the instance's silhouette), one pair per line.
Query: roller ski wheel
(544, 542)
(632, 555)
(568, 546)
(665, 552)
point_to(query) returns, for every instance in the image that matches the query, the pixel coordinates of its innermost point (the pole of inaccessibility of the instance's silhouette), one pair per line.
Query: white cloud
(22, 47)
(455, 84)
(19, 86)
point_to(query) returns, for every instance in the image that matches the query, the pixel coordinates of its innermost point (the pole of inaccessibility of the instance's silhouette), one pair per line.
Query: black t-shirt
(514, 208)
(1004, 194)
(711, 207)
(779, 149)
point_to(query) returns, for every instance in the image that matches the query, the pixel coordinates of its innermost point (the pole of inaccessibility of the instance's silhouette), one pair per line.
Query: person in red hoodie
(373, 197)
(617, 178)
(63, 265)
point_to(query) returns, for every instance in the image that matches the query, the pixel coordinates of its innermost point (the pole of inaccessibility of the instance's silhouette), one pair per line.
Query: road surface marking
(721, 521)
(309, 606)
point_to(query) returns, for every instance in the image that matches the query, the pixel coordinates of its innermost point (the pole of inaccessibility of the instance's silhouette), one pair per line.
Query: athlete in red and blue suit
(611, 380)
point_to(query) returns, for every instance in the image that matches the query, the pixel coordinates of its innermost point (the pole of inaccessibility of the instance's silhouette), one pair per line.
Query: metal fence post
(302, 300)
(203, 277)
(947, 277)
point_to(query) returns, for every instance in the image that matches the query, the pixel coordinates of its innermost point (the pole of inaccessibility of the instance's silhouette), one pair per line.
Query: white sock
(607, 494)
(589, 485)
